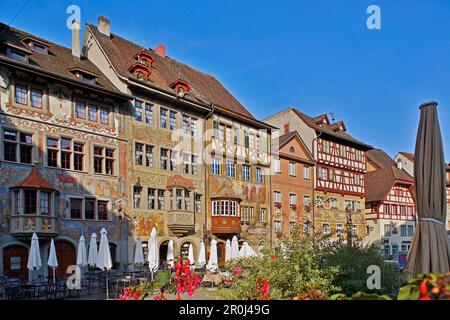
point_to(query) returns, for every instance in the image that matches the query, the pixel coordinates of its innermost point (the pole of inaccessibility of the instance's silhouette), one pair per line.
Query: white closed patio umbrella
(34, 255)
(191, 254)
(212, 262)
(201, 261)
(93, 251)
(139, 253)
(170, 254)
(228, 251)
(153, 256)
(81, 253)
(246, 251)
(234, 248)
(104, 261)
(52, 259)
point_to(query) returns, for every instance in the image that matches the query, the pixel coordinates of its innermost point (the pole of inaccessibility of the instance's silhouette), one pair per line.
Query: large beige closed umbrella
(34, 256)
(430, 251)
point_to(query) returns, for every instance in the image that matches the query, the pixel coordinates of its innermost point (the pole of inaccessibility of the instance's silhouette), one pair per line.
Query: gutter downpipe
(205, 224)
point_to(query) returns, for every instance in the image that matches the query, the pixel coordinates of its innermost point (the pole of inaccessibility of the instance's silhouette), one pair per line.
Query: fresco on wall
(117, 231)
(143, 225)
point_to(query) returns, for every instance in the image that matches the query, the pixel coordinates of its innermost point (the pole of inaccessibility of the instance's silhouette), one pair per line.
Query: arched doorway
(66, 255)
(221, 253)
(184, 250)
(163, 247)
(15, 260)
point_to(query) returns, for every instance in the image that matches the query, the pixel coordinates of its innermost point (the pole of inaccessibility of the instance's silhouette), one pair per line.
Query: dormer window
(84, 76)
(141, 69)
(36, 45)
(16, 55)
(181, 87)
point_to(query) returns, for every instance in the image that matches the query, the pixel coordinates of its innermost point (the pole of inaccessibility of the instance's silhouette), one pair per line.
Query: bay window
(224, 207)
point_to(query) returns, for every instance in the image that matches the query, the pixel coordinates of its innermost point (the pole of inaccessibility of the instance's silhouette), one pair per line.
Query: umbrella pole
(107, 290)
(54, 279)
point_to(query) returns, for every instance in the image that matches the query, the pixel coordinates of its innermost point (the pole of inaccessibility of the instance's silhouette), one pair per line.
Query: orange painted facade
(294, 189)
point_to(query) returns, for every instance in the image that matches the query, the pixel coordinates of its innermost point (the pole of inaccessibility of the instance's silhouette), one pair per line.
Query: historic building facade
(292, 184)
(339, 188)
(175, 120)
(390, 206)
(62, 160)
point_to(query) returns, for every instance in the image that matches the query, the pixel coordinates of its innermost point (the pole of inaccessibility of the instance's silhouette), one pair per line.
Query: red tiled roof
(35, 180)
(380, 158)
(327, 130)
(179, 181)
(59, 61)
(379, 182)
(204, 87)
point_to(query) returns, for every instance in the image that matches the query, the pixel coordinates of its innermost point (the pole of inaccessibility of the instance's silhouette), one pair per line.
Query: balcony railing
(28, 224)
(225, 224)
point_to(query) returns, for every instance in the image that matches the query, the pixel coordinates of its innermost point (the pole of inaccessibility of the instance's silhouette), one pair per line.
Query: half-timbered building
(339, 188)
(390, 205)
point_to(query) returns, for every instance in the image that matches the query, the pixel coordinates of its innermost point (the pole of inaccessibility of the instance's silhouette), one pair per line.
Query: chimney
(161, 50)
(76, 46)
(104, 26)
(399, 164)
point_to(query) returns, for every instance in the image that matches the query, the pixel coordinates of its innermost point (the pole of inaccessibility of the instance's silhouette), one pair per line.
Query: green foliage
(353, 262)
(297, 265)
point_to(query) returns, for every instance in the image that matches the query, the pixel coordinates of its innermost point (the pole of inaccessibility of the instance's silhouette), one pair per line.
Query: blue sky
(316, 55)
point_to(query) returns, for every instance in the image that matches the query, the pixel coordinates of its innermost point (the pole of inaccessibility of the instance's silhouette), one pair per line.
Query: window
(221, 132)
(342, 151)
(276, 165)
(173, 120)
(277, 196)
(78, 156)
(194, 164)
(186, 163)
(259, 175)
(104, 116)
(231, 169)
(151, 198)
(292, 169)
(80, 110)
(137, 197)
(36, 98)
(292, 199)
(306, 201)
(326, 146)
(89, 208)
(215, 166)
(25, 148)
(186, 124)
(161, 200)
(148, 113)
(36, 47)
(164, 158)
(138, 110)
(103, 157)
(102, 210)
(306, 172)
(358, 155)
(92, 113)
(354, 230)
(245, 216)
(198, 203)
(339, 228)
(16, 55)
(387, 230)
(353, 205)
(325, 228)
(52, 152)
(228, 135)
(404, 248)
(187, 200)
(410, 230)
(331, 175)
(263, 217)
(387, 250)
(75, 208)
(357, 179)
(66, 153)
(21, 94)
(394, 249)
(323, 173)
(173, 160)
(333, 203)
(149, 156)
(277, 226)
(224, 207)
(246, 172)
(403, 230)
(30, 201)
(320, 201)
(163, 118)
(10, 145)
(178, 199)
(139, 153)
